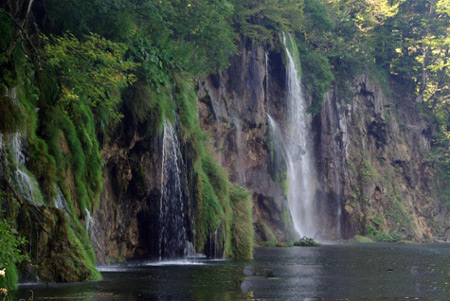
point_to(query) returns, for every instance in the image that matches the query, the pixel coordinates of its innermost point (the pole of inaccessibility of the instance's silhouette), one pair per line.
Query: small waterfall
(27, 185)
(16, 145)
(91, 229)
(60, 200)
(299, 155)
(172, 236)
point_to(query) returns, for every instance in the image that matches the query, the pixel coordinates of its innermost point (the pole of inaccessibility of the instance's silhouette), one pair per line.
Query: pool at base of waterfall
(330, 272)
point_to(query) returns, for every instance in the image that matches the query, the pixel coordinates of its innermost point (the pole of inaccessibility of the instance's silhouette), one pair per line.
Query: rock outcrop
(370, 144)
(373, 148)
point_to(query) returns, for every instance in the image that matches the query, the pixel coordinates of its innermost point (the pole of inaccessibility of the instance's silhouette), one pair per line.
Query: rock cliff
(370, 148)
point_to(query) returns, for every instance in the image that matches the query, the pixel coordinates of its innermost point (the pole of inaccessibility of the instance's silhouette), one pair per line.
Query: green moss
(208, 212)
(219, 206)
(317, 75)
(368, 171)
(382, 237)
(242, 225)
(267, 234)
(12, 116)
(277, 165)
(306, 242)
(294, 51)
(362, 239)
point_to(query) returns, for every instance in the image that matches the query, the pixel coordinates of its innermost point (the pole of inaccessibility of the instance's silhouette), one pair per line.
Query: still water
(333, 272)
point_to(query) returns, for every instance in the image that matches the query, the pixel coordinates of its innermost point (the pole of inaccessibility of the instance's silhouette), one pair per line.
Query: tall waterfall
(172, 235)
(299, 153)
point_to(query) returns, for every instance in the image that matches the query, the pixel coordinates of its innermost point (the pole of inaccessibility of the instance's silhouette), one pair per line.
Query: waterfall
(172, 234)
(299, 154)
(91, 229)
(26, 184)
(60, 200)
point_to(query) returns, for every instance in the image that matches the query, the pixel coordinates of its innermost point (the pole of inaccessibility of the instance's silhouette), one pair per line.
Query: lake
(331, 272)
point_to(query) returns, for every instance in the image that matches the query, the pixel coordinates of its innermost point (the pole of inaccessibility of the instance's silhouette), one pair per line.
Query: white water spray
(60, 200)
(92, 230)
(299, 155)
(172, 235)
(27, 185)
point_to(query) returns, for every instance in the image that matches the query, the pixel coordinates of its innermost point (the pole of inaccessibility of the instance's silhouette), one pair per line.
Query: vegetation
(91, 64)
(306, 242)
(11, 244)
(373, 233)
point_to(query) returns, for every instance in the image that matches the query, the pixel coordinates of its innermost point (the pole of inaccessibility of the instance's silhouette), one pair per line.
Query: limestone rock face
(233, 107)
(370, 153)
(126, 220)
(373, 147)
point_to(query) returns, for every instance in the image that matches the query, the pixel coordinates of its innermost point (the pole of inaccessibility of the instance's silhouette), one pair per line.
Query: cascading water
(60, 200)
(172, 236)
(299, 155)
(92, 230)
(27, 185)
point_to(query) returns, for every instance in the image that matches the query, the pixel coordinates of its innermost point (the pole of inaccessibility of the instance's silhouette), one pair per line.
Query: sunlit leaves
(10, 241)
(260, 20)
(92, 71)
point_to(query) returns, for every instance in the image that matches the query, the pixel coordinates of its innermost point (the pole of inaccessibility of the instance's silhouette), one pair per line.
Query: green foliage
(12, 116)
(91, 73)
(76, 152)
(262, 20)
(10, 242)
(109, 18)
(154, 60)
(316, 21)
(208, 211)
(441, 180)
(317, 74)
(363, 239)
(306, 242)
(367, 171)
(382, 237)
(277, 166)
(198, 35)
(10, 255)
(269, 238)
(242, 225)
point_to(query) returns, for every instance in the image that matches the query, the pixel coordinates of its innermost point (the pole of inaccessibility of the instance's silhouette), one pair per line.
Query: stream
(330, 272)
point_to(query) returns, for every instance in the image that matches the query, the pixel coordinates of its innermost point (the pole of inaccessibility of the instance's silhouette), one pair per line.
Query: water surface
(334, 272)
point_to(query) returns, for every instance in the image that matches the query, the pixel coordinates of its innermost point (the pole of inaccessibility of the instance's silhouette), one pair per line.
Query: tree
(91, 72)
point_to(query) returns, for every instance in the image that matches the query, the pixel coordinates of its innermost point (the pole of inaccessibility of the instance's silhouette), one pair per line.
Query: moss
(148, 108)
(12, 116)
(362, 239)
(242, 225)
(293, 49)
(368, 171)
(208, 211)
(267, 234)
(287, 219)
(317, 75)
(277, 164)
(306, 242)
(220, 207)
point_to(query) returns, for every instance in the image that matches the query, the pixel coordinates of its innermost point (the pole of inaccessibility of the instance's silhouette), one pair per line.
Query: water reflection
(346, 272)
